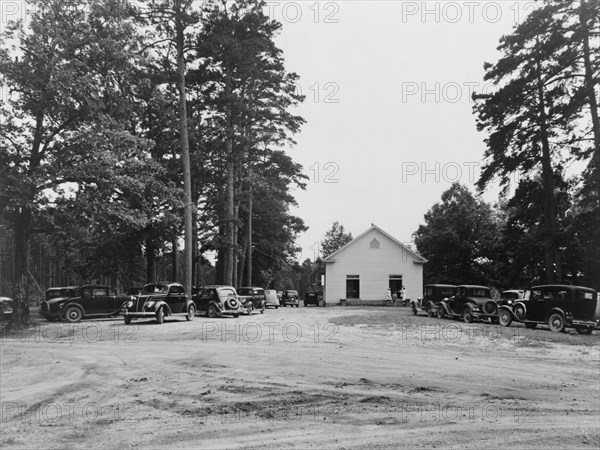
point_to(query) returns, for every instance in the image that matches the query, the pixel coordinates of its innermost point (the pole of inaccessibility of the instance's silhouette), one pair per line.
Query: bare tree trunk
(590, 85)
(185, 148)
(230, 198)
(235, 243)
(249, 234)
(174, 257)
(551, 254)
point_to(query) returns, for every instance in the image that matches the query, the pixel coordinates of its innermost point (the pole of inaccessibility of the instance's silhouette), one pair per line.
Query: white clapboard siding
(374, 256)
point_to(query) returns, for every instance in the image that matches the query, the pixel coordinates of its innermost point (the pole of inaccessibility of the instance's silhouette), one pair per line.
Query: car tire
(440, 312)
(556, 323)
(73, 314)
(467, 315)
(235, 316)
(160, 316)
(531, 326)
(212, 312)
(584, 330)
(414, 309)
(191, 313)
(520, 311)
(127, 320)
(504, 317)
(262, 311)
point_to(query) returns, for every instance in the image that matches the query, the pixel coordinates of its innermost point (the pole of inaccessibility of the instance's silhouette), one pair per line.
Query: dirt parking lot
(336, 377)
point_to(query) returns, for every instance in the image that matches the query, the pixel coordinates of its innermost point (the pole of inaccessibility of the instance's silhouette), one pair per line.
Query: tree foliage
(460, 239)
(335, 238)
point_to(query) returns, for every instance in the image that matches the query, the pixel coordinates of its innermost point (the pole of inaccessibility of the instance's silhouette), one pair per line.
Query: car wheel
(584, 330)
(520, 311)
(127, 319)
(235, 316)
(73, 314)
(160, 316)
(467, 315)
(212, 312)
(191, 313)
(504, 318)
(440, 312)
(414, 309)
(262, 311)
(530, 326)
(250, 309)
(556, 323)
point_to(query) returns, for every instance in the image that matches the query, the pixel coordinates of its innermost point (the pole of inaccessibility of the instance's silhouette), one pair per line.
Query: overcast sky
(388, 109)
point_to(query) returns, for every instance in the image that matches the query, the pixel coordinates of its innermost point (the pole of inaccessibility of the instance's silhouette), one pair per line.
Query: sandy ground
(336, 377)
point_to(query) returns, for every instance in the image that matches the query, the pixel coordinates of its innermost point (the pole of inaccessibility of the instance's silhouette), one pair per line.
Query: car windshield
(244, 291)
(447, 291)
(155, 289)
(509, 296)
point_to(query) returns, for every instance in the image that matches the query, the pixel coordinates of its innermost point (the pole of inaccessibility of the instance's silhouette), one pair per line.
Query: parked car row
(557, 306)
(162, 299)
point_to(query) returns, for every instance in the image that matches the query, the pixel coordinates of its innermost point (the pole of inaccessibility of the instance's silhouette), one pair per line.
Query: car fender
(507, 308)
(164, 305)
(444, 306)
(557, 311)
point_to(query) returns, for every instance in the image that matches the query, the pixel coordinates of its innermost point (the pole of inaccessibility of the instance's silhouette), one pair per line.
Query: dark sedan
(159, 300)
(74, 303)
(558, 306)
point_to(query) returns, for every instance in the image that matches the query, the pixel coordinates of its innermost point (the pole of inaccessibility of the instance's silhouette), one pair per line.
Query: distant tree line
(135, 130)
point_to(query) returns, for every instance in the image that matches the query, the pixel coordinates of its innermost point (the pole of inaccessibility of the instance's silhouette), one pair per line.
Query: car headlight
(129, 304)
(509, 302)
(150, 304)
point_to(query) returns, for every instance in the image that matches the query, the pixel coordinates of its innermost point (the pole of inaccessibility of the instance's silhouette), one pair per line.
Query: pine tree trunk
(174, 257)
(590, 90)
(249, 236)
(551, 256)
(185, 148)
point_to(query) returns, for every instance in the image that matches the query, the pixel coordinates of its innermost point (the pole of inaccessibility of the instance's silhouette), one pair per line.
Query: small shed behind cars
(364, 269)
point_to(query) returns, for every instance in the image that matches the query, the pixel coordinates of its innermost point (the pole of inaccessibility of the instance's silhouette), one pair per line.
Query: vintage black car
(559, 306)
(470, 302)
(74, 303)
(311, 298)
(218, 300)
(159, 300)
(432, 295)
(252, 298)
(290, 297)
(512, 296)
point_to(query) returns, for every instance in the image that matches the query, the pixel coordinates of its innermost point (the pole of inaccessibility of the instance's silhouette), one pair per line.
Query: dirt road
(308, 377)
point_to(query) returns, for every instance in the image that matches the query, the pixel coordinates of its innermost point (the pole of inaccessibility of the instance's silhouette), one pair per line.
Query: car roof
(440, 285)
(563, 286)
(476, 286)
(216, 286)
